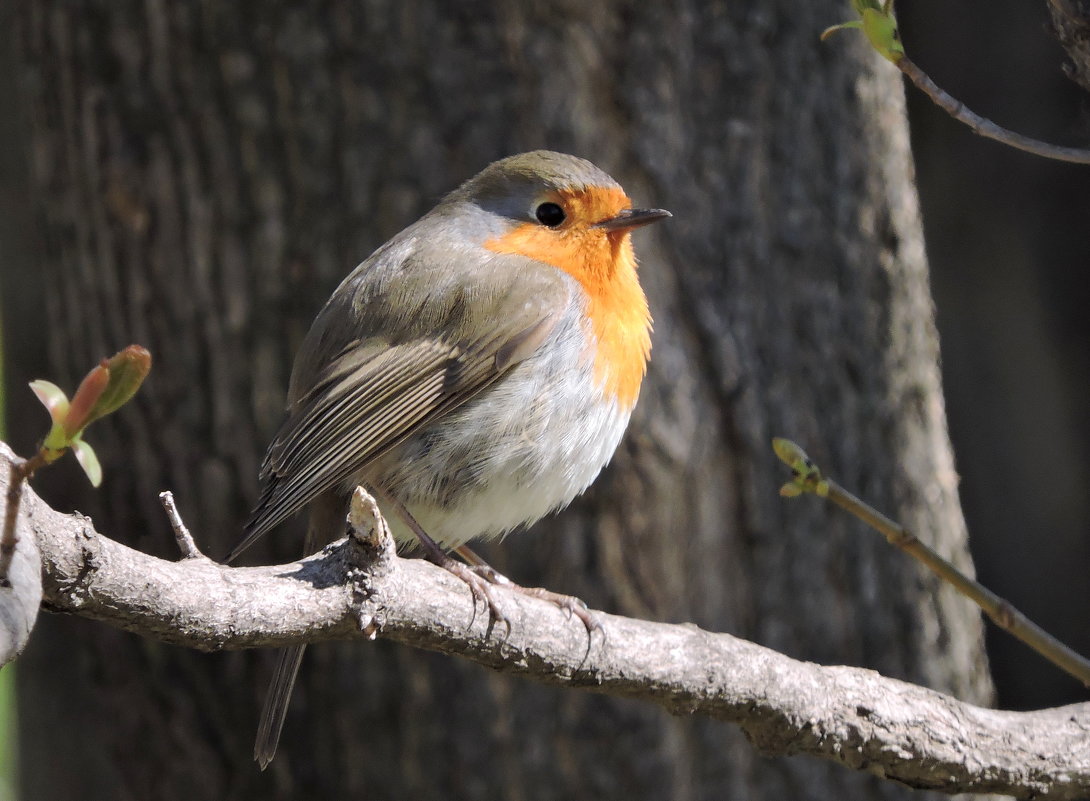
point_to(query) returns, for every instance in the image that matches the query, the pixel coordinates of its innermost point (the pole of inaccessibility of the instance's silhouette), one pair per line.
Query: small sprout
(878, 24)
(103, 390)
(127, 370)
(880, 29)
(806, 476)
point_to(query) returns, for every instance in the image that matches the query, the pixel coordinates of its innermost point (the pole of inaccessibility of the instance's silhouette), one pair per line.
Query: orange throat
(604, 264)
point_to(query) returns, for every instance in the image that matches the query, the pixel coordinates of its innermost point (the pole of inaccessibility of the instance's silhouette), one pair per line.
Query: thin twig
(807, 477)
(186, 544)
(1000, 611)
(983, 126)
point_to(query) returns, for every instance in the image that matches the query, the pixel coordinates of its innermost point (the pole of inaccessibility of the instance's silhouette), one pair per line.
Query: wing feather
(374, 394)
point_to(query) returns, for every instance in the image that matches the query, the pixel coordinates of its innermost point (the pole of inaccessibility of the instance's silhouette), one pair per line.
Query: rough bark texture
(360, 588)
(206, 174)
(1071, 21)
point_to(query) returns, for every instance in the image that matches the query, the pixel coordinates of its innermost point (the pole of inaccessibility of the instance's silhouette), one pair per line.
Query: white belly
(523, 448)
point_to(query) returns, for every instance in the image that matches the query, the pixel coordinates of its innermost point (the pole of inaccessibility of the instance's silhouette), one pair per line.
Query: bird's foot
(482, 587)
(567, 603)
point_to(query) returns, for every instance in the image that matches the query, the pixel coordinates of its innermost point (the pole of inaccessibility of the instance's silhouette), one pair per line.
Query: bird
(475, 373)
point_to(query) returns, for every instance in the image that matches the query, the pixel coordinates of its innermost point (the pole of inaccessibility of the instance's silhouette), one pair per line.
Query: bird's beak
(627, 219)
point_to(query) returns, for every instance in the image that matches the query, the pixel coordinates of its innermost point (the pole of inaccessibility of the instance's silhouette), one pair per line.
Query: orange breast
(605, 266)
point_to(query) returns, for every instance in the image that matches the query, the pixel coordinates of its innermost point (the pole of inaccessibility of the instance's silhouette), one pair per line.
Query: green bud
(81, 409)
(127, 370)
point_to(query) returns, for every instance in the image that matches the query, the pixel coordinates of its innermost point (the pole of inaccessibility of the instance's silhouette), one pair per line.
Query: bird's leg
(480, 586)
(568, 603)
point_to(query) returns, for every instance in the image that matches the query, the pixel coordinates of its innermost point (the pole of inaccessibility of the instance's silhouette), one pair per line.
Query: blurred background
(1008, 240)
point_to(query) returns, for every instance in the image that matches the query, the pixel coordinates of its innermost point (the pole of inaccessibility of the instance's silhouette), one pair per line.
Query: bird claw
(482, 578)
(481, 586)
(569, 604)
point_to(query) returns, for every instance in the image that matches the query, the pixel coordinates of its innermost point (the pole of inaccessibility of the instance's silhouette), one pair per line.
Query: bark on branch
(854, 716)
(1071, 21)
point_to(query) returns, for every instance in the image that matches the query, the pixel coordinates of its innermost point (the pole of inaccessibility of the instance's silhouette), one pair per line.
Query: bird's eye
(549, 214)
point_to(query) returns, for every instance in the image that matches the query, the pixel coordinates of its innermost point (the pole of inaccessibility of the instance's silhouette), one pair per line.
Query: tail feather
(278, 696)
(276, 704)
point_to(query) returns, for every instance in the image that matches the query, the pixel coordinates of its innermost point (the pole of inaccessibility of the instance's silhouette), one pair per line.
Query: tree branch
(982, 125)
(351, 589)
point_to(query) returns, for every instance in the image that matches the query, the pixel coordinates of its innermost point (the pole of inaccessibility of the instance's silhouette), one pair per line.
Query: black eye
(549, 214)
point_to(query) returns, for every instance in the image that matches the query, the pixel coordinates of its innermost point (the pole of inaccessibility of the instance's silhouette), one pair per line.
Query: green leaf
(127, 370)
(880, 29)
(855, 23)
(878, 24)
(88, 461)
(52, 398)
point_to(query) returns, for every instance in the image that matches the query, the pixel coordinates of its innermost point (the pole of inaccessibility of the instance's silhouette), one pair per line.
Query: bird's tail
(276, 704)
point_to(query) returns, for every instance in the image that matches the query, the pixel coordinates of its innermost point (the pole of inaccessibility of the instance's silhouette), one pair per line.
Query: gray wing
(373, 393)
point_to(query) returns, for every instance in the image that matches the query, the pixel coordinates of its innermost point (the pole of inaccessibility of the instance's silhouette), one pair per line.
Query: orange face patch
(605, 266)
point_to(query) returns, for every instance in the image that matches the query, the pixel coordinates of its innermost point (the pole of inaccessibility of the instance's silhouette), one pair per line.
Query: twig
(983, 126)
(808, 478)
(20, 472)
(878, 24)
(186, 544)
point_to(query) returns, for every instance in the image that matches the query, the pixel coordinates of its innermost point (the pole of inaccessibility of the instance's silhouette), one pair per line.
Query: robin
(475, 373)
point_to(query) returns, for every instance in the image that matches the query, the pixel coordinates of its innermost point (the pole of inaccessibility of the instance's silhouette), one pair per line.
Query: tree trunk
(205, 174)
